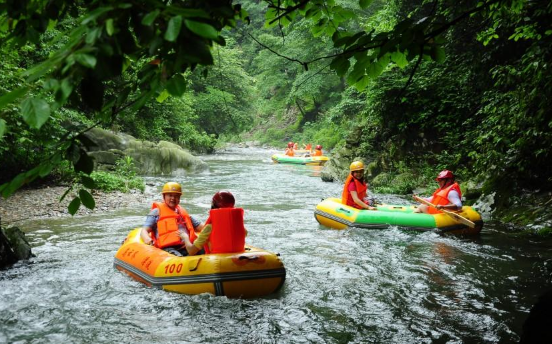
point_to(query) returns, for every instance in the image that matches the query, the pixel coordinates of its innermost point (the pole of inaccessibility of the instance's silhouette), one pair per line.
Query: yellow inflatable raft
(249, 274)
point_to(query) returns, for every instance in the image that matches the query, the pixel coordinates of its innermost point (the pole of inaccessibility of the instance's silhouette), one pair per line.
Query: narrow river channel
(348, 286)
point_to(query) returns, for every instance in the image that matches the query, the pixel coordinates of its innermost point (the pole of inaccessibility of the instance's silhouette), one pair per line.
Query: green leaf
(109, 28)
(362, 83)
(86, 60)
(201, 29)
(399, 58)
(364, 3)
(35, 112)
(74, 206)
(163, 96)
(2, 128)
(10, 187)
(173, 29)
(88, 182)
(95, 14)
(87, 199)
(177, 85)
(150, 18)
(438, 54)
(85, 163)
(45, 169)
(13, 95)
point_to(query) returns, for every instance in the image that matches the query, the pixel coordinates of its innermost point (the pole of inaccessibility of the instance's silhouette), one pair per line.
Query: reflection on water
(354, 285)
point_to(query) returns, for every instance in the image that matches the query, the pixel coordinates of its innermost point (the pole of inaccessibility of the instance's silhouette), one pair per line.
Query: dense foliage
(408, 85)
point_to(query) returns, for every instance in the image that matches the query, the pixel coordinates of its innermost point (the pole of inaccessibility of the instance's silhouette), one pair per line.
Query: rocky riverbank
(44, 203)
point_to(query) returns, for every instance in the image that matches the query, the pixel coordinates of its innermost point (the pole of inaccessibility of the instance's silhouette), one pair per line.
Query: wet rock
(163, 158)
(13, 246)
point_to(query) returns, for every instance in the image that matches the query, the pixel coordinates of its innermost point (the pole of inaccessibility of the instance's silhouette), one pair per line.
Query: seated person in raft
(223, 232)
(448, 196)
(355, 190)
(167, 223)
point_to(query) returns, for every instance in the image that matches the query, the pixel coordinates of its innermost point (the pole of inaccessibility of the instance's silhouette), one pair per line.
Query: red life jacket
(361, 189)
(167, 225)
(228, 232)
(440, 197)
(290, 152)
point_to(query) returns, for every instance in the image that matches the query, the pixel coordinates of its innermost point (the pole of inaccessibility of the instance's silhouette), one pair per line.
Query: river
(348, 286)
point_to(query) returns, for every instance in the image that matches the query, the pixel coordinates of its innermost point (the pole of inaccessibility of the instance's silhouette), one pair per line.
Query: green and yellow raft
(300, 160)
(332, 213)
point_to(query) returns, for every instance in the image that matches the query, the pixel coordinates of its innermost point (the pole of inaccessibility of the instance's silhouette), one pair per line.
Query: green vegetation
(412, 87)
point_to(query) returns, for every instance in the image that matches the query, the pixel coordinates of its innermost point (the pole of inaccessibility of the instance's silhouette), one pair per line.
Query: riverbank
(30, 204)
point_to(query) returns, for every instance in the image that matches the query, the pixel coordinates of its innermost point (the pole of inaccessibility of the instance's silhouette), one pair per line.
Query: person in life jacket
(224, 231)
(317, 151)
(448, 196)
(289, 150)
(308, 147)
(355, 190)
(167, 223)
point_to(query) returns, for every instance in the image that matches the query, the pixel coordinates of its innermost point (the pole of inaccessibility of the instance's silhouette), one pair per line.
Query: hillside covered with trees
(409, 86)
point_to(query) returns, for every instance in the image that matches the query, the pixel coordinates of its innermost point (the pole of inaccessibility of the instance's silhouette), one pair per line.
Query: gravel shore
(44, 203)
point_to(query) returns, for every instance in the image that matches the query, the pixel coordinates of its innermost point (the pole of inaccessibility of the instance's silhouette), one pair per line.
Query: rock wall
(163, 158)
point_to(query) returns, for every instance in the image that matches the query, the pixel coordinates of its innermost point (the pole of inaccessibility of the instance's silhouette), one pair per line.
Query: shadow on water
(349, 286)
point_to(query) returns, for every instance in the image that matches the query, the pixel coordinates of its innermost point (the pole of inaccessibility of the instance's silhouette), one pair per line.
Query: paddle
(452, 214)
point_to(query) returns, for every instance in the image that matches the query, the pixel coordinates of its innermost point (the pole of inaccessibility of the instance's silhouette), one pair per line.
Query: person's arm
(199, 242)
(198, 226)
(145, 235)
(357, 200)
(455, 202)
(147, 228)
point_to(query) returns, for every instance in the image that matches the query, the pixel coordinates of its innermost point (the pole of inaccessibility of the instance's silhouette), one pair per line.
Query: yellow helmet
(356, 166)
(172, 187)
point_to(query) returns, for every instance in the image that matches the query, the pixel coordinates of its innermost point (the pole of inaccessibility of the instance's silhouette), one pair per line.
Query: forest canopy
(464, 85)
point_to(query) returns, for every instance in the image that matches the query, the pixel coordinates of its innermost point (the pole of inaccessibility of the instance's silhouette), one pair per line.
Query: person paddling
(355, 190)
(448, 196)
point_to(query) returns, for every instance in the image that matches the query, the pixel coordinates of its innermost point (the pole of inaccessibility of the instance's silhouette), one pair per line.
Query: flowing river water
(349, 286)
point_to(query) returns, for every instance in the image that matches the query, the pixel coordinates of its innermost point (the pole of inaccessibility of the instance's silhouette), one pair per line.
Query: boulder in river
(13, 246)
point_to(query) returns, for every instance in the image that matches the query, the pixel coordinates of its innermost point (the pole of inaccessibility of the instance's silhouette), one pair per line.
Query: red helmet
(318, 147)
(445, 174)
(223, 199)
(290, 144)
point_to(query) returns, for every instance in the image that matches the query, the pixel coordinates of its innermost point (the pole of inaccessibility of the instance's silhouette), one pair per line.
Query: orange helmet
(172, 187)
(445, 174)
(223, 199)
(356, 166)
(318, 147)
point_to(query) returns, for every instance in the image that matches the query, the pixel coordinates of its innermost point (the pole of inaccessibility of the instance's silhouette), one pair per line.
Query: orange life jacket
(317, 152)
(228, 232)
(167, 225)
(440, 197)
(361, 189)
(290, 152)
(308, 147)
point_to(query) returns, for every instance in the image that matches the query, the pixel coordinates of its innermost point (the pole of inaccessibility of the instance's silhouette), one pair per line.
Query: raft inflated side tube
(310, 160)
(332, 213)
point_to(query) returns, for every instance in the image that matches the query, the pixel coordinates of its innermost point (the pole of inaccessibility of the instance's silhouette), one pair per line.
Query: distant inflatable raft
(300, 160)
(249, 274)
(332, 213)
